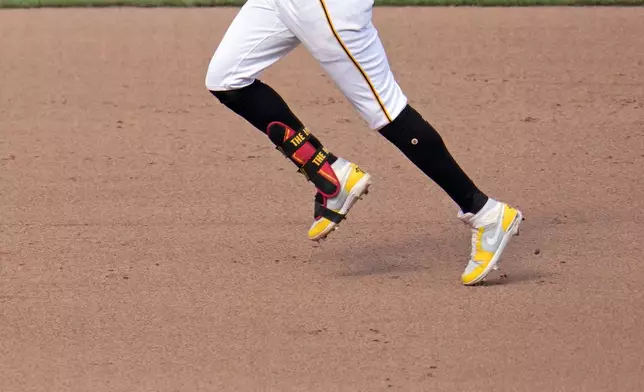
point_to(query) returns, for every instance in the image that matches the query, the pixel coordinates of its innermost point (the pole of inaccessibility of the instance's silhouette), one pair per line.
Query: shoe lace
(475, 233)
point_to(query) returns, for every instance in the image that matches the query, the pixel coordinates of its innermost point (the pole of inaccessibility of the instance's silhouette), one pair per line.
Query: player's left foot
(492, 229)
(330, 211)
(339, 183)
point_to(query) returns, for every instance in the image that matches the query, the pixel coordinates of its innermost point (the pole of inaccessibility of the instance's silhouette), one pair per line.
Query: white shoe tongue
(339, 165)
(488, 214)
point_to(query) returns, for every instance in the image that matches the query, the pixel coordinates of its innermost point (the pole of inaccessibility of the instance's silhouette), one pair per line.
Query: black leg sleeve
(260, 105)
(423, 146)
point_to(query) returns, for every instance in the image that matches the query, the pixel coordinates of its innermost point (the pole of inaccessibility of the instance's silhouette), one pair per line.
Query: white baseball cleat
(329, 212)
(492, 229)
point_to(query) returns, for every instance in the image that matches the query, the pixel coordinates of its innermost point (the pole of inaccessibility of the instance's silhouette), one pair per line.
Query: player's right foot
(329, 212)
(492, 229)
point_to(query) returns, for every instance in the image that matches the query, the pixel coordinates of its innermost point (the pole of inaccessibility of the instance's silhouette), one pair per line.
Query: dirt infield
(141, 251)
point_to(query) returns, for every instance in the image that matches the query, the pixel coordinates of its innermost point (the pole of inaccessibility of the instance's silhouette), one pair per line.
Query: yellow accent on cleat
(491, 233)
(354, 184)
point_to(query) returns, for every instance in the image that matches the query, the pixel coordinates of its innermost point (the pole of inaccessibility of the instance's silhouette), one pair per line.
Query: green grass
(207, 3)
(112, 3)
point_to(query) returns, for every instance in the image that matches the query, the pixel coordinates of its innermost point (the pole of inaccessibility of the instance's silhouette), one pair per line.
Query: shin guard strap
(292, 144)
(323, 212)
(311, 168)
(313, 171)
(308, 154)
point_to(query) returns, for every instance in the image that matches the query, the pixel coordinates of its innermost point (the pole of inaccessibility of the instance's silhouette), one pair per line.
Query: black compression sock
(260, 105)
(420, 142)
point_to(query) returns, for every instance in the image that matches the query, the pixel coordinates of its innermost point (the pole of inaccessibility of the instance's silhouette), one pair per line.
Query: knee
(221, 77)
(216, 76)
(230, 95)
(225, 96)
(220, 92)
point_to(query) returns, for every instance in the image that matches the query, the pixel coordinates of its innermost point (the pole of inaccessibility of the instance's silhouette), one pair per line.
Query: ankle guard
(308, 154)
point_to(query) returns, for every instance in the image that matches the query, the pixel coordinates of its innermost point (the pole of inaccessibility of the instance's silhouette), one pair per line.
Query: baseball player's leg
(340, 34)
(255, 40)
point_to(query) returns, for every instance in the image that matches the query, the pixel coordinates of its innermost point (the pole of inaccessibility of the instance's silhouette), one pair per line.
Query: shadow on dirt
(413, 254)
(422, 254)
(380, 267)
(522, 277)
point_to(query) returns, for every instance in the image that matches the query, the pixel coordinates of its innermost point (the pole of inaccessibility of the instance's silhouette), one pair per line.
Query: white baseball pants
(337, 33)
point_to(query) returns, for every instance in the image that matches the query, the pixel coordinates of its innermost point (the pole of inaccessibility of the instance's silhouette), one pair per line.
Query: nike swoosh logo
(493, 240)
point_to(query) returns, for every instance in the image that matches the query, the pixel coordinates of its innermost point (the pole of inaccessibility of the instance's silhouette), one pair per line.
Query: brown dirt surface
(150, 240)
